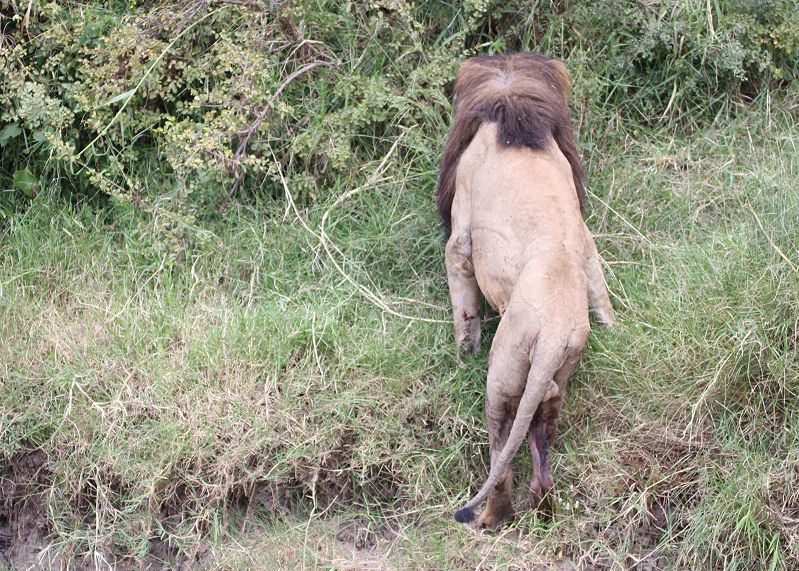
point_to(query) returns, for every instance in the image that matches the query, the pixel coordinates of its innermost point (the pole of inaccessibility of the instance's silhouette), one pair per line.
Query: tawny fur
(513, 197)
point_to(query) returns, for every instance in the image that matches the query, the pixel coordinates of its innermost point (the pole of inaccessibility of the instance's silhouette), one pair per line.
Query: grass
(248, 405)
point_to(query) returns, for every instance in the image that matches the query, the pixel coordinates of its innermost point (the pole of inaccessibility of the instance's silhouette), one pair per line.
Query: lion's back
(525, 217)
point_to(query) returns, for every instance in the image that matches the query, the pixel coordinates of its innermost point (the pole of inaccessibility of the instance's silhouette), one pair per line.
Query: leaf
(25, 182)
(117, 98)
(9, 132)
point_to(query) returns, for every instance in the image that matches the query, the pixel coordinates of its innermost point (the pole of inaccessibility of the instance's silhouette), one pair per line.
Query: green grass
(250, 405)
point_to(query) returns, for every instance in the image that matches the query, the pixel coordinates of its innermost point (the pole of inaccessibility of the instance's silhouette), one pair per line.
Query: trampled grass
(250, 405)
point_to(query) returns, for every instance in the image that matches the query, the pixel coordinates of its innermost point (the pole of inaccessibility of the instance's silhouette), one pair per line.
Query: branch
(247, 134)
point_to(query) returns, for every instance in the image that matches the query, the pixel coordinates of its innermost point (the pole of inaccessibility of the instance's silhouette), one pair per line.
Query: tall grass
(253, 382)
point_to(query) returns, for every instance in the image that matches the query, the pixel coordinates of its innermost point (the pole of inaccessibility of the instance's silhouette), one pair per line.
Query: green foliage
(658, 62)
(173, 109)
(207, 95)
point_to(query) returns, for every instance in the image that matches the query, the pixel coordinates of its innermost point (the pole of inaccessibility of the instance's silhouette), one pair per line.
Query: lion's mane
(527, 95)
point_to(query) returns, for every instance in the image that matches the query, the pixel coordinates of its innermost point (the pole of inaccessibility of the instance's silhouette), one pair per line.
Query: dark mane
(527, 95)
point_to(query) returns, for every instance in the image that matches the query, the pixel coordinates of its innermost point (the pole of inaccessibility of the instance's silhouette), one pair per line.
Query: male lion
(510, 196)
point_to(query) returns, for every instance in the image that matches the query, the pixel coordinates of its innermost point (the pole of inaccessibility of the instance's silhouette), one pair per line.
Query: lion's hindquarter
(527, 233)
(517, 219)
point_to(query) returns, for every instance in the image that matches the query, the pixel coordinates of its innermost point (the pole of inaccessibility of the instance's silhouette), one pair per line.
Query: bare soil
(24, 530)
(23, 522)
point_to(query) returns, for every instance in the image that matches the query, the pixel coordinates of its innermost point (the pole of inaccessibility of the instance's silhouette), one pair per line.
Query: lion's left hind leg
(507, 374)
(464, 291)
(499, 507)
(543, 429)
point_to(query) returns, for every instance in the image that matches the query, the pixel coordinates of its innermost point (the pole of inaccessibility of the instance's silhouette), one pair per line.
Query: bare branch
(247, 134)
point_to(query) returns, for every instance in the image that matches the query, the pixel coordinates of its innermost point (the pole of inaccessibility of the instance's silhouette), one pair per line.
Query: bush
(173, 109)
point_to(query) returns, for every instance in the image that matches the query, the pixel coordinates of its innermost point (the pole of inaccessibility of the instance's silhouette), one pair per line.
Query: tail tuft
(464, 515)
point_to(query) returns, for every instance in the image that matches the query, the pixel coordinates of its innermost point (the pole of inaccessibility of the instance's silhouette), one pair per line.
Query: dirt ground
(23, 522)
(25, 542)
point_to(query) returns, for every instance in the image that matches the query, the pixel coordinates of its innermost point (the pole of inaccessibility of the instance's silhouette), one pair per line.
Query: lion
(510, 196)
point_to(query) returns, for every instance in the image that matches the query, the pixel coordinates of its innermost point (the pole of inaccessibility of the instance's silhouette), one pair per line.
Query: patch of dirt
(24, 527)
(357, 533)
(23, 521)
(163, 557)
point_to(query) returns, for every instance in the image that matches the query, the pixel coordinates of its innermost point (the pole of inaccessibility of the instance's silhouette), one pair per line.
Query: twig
(242, 148)
(622, 218)
(371, 296)
(373, 180)
(289, 197)
(247, 4)
(26, 20)
(268, 106)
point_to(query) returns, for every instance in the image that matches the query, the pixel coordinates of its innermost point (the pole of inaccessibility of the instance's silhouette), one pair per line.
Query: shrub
(172, 109)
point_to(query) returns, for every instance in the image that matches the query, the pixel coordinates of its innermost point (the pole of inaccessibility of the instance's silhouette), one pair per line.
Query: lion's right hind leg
(464, 291)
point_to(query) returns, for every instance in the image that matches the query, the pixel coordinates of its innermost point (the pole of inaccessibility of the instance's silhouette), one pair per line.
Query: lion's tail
(543, 366)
